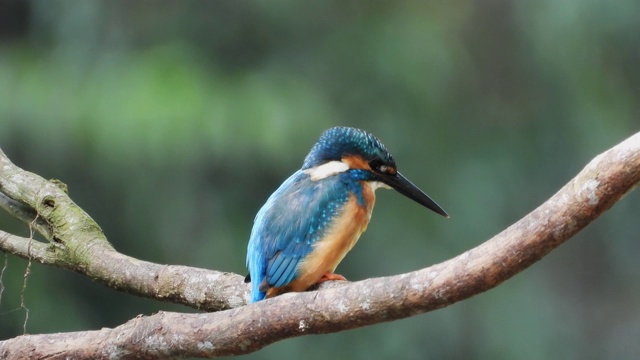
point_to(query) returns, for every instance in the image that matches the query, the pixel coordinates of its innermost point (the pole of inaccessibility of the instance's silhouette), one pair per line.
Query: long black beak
(406, 188)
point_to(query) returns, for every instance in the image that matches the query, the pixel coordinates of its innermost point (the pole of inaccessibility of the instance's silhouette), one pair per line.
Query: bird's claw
(329, 276)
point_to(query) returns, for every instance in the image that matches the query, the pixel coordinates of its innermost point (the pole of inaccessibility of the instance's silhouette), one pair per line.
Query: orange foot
(331, 276)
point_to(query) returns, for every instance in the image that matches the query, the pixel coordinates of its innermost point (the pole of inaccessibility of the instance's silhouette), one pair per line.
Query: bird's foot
(331, 276)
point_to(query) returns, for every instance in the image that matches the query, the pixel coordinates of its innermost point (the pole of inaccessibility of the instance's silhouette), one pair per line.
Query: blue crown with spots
(338, 142)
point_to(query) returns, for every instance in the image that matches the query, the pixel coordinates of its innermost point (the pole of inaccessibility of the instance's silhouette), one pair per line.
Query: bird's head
(343, 148)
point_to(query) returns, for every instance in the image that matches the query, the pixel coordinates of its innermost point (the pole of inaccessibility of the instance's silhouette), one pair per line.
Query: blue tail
(256, 294)
(257, 274)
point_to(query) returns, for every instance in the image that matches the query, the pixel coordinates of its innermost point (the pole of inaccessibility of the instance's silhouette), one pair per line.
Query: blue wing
(286, 227)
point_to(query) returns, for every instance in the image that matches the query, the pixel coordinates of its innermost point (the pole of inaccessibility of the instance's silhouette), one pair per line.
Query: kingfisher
(316, 216)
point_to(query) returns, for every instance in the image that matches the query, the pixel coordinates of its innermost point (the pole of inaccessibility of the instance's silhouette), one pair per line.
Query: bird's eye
(375, 164)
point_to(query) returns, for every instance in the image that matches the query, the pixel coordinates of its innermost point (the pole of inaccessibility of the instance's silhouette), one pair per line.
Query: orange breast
(331, 249)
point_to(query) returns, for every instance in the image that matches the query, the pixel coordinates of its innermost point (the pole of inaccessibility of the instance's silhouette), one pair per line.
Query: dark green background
(173, 121)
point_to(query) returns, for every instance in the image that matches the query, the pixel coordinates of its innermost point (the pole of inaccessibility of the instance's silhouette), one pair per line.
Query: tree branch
(77, 243)
(604, 181)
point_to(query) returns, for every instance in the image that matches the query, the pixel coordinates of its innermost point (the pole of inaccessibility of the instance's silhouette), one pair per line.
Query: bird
(316, 216)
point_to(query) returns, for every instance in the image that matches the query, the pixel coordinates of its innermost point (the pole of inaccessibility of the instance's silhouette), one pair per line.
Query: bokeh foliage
(172, 122)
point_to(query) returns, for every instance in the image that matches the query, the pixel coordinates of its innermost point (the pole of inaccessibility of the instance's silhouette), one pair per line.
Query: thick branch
(77, 243)
(595, 189)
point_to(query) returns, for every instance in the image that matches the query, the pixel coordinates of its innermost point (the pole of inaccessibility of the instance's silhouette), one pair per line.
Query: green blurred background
(173, 121)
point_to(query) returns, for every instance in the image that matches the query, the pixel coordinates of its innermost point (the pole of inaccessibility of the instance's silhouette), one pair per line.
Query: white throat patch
(377, 184)
(325, 170)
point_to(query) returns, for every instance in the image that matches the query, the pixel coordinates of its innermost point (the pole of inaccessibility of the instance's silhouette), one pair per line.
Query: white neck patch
(325, 170)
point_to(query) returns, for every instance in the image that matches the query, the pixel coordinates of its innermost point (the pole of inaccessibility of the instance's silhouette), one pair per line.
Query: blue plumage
(292, 220)
(301, 213)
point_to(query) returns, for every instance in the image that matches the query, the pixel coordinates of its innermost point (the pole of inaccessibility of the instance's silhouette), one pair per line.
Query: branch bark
(79, 245)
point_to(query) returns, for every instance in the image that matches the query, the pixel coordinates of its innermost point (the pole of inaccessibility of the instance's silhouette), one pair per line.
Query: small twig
(25, 277)
(4, 268)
